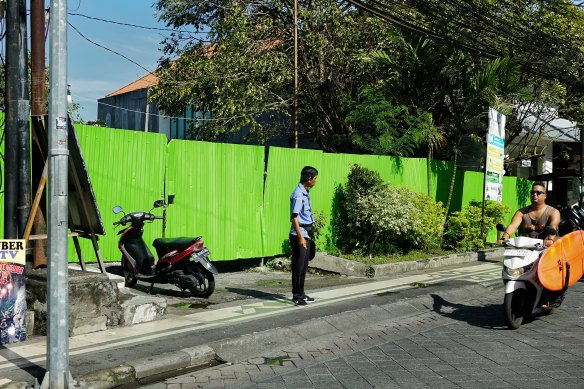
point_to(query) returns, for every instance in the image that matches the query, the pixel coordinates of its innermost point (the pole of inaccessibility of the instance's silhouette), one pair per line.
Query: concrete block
(334, 264)
(139, 309)
(7, 384)
(108, 378)
(162, 363)
(86, 325)
(200, 355)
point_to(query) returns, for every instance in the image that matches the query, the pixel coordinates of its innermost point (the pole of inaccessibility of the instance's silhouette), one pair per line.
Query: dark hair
(539, 183)
(307, 173)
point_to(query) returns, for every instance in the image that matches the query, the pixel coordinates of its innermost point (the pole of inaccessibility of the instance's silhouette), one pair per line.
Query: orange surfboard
(552, 264)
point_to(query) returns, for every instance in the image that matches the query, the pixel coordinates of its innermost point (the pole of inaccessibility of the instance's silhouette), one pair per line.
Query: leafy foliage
(382, 218)
(463, 230)
(385, 129)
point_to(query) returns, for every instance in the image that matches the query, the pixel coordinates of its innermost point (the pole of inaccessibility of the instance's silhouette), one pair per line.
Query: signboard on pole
(12, 291)
(494, 170)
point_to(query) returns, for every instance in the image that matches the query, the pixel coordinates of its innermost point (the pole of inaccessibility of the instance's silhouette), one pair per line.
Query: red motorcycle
(183, 261)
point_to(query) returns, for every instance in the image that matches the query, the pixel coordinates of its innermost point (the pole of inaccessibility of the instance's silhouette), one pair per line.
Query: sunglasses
(537, 192)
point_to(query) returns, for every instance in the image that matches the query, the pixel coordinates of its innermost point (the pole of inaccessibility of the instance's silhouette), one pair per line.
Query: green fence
(222, 193)
(218, 192)
(515, 194)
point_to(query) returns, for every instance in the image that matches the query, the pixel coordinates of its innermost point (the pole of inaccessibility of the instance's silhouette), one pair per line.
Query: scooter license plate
(203, 253)
(517, 253)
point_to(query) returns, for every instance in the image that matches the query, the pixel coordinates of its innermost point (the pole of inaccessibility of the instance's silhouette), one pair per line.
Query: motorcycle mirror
(550, 230)
(170, 199)
(500, 227)
(117, 209)
(158, 204)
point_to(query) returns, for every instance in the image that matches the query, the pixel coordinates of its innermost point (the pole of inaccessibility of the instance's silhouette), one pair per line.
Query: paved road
(452, 345)
(244, 304)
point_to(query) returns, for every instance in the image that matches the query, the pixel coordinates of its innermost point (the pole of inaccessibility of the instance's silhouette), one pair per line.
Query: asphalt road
(457, 343)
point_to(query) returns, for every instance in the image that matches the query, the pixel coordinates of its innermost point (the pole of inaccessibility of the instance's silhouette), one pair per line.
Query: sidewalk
(252, 312)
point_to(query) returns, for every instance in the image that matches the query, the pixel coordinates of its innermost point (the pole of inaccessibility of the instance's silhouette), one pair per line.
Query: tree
(242, 74)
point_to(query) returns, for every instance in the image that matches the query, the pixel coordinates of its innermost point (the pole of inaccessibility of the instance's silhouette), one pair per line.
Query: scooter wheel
(129, 277)
(514, 308)
(206, 288)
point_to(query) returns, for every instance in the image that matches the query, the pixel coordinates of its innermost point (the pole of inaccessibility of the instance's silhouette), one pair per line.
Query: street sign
(494, 169)
(12, 291)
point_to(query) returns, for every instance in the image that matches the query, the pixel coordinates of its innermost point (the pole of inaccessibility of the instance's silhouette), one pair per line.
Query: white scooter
(525, 296)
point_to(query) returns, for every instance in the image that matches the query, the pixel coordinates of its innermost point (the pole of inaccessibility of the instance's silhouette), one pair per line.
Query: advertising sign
(12, 291)
(494, 169)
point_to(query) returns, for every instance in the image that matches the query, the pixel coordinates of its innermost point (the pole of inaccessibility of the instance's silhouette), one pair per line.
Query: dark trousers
(300, 259)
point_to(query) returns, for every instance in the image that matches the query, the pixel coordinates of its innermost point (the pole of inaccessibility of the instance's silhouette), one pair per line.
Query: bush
(463, 229)
(383, 219)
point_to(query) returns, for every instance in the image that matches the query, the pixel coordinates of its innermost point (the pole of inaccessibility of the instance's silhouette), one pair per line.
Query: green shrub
(384, 219)
(463, 229)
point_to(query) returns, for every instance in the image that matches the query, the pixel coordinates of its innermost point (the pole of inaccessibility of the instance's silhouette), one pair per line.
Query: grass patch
(392, 258)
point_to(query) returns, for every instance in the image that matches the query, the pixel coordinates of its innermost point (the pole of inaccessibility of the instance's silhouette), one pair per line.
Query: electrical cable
(110, 50)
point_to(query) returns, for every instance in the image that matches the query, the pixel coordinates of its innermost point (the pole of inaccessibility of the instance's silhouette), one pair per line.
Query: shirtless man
(533, 219)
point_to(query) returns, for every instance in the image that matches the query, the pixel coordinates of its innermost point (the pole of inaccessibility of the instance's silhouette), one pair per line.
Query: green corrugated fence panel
(283, 174)
(218, 190)
(515, 194)
(126, 168)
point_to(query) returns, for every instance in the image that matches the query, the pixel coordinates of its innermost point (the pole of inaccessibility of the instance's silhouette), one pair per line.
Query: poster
(12, 291)
(494, 169)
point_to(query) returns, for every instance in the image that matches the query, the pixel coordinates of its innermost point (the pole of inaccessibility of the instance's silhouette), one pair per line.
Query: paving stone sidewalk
(452, 345)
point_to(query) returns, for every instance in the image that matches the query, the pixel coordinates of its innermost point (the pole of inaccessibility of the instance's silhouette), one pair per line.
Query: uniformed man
(301, 233)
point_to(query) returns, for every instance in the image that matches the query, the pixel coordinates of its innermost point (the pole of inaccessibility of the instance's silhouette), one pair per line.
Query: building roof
(141, 83)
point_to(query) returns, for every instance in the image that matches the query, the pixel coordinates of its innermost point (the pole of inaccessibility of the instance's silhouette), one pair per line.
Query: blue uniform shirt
(300, 205)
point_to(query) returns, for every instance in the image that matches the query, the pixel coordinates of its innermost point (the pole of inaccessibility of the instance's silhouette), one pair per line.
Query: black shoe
(299, 302)
(308, 299)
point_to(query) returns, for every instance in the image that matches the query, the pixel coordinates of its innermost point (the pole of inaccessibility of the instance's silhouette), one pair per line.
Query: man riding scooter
(533, 219)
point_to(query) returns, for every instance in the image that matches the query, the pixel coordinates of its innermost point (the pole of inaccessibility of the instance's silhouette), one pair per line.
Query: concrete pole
(23, 139)
(58, 282)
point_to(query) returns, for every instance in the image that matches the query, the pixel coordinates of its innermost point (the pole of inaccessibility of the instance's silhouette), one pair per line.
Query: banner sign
(12, 291)
(495, 168)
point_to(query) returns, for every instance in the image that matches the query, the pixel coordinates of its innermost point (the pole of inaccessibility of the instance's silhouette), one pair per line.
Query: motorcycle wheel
(129, 277)
(514, 308)
(206, 288)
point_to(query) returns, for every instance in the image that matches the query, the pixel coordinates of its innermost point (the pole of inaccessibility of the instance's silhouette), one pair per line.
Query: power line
(139, 26)
(110, 50)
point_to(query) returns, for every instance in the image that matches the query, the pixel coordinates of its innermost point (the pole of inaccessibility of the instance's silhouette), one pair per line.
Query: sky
(93, 72)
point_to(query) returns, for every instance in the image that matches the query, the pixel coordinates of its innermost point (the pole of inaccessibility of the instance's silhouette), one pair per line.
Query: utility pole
(295, 74)
(58, 375)
(37, 44)
(23, 137)
(11, 122)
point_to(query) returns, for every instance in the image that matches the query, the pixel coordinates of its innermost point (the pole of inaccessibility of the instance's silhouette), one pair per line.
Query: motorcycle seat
(165, 245)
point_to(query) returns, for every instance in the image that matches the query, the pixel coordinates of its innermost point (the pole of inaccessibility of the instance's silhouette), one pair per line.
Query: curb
(330, 263)
(133, 371)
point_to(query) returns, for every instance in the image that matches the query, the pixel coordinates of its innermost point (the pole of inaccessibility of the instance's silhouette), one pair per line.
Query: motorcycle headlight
(519, 271)
(514, 272)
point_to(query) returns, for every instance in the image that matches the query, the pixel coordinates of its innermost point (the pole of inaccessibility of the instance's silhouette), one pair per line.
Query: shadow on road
(259, 294)
(488, 316)
(35, 371)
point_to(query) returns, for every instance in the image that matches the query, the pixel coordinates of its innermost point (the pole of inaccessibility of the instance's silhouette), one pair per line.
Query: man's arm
(296, 226)
(554, 221)
(512, 227)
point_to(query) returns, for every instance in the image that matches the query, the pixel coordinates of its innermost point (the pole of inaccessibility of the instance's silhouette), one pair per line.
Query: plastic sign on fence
(494, 169)
(12, 291)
